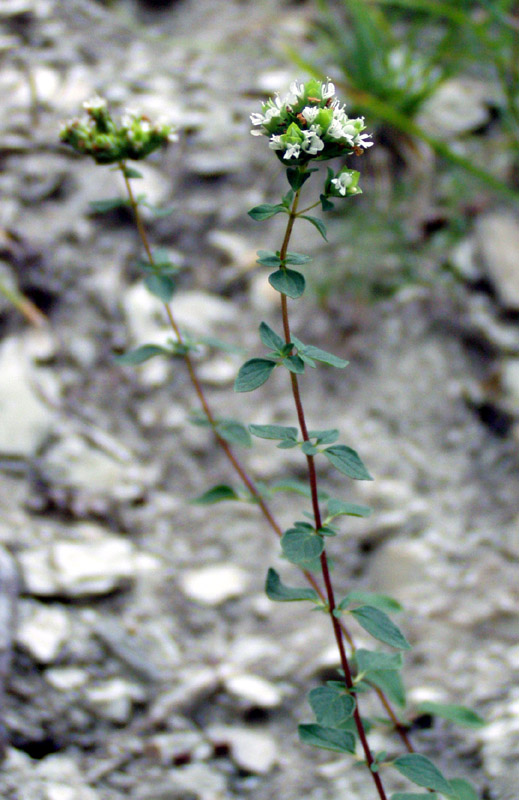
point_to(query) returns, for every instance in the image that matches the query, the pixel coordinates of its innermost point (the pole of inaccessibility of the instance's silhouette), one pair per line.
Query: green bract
(108, 142)
(311, 124)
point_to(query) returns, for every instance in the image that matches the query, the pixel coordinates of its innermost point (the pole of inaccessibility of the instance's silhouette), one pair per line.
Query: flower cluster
(310, 124)
(97, 135)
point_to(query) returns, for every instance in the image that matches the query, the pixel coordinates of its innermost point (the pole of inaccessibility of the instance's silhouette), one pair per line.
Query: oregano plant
(307, 126)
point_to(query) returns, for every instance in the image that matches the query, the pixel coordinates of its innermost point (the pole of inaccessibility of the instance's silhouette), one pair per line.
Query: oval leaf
(268, 258)
(317, 223)
(327, 738)
(420, 770)
(391, 684)
(297, 259)
(382, 601)
(414, 796)
(276, 590)
(216, 495)
(380, 626)
(265, 211)
(463, 789)
(375, 660)
(309, 351)
(102, 206)
(252, 374)
(142, 354)
(301, 546)
(337, 508)
(161, 286)
(234, 432)
(288, 281)
(347, 461)
(270, 338)
(458, 714)
(273, 431)
(331, 708)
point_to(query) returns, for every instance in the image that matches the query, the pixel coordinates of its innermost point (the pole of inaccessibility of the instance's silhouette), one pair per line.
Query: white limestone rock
(213, 585)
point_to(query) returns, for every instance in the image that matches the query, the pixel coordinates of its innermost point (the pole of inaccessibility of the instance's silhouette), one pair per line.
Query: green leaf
(273, 431)
(276, 590)
(288, 281)
(338, 508)
(347, 461)
(161, 286)
(463, 790)
(317, 354)
(252, 374)
(142, 354)
(296, 259)
(301, 546)
(327, 738)
(382, 601)
(391, 684)
(309, 449)
(294, 364)
(296, 177)
(287, 198)
(218, 344)
(102, 206)
(414, 796)
(265, 211)
(420, 770)
(331, 708)
(216, 495)
(458, 714)
(324, 437)
(287, 444)
(270, 338)
(317, 223)
(234, 432)
(162, 262)
(380, 626)
(326, 205)
(156, 211)
(268, 258)
(130, 172)
(368, 660)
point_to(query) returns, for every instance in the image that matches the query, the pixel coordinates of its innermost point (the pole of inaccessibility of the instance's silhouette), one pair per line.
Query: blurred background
(139, 655)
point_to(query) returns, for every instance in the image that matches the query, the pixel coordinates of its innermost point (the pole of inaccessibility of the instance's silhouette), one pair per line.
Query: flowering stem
(232, 458)
(312, 479)
(308, 208)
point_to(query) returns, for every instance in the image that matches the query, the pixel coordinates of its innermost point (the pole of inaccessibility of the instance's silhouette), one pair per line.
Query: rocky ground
(140, 656)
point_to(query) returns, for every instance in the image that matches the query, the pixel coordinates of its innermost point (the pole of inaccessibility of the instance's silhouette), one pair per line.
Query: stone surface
(113, 700)
(457, 106)
(253, 690)
(97, 565)
(252, 751)
(215, 584)
(25, 419)
(498, 240)
(42, 631)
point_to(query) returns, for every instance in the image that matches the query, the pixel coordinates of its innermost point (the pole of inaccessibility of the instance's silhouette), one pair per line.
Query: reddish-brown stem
(236, 464)
(312, 479)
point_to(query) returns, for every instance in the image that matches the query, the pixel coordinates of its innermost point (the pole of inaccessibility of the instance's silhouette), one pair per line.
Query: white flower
(297, 89)
(337, 131)
(312, 143)
(275, 142)
(361, 140)
(293, 151)
(342, 182)
(95, 103)
(310, 113)
(327, 90)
